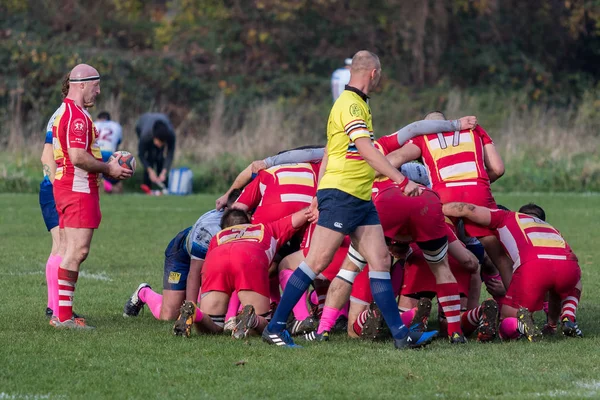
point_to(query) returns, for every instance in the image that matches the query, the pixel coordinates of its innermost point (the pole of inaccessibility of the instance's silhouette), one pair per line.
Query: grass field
(139, 358)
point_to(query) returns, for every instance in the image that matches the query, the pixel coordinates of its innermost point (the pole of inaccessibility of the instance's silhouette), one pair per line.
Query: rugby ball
(127, 159)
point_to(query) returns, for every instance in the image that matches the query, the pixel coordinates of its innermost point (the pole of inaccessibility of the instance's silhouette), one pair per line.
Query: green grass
(139, 358)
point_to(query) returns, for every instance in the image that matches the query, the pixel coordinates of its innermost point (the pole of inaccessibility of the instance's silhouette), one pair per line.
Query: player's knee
(434, 250)
(357, 259)
(81, 253)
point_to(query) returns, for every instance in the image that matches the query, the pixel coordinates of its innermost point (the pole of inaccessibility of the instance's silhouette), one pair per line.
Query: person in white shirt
(110, 135)
(340, 79)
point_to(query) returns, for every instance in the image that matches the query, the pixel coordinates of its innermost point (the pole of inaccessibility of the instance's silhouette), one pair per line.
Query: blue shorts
(342, 212)
(177, 263)
(47, 204)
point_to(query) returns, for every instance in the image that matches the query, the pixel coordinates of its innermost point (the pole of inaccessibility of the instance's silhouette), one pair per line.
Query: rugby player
(110, 135)
(78, 163)
(345, 206)
(461, 164)
(238, 260)
(542, 262)
(184, 257)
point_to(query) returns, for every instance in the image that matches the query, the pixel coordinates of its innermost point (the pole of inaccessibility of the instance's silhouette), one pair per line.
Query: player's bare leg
(496, 253)
(77, 249)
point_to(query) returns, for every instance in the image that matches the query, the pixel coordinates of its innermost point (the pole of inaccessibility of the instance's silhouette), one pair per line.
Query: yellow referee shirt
(350, 119)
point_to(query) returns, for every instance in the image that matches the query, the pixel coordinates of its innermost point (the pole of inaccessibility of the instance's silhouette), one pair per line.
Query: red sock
(407, 316)
(449, 299)
(66, 288)
(328, 319)
(470, 320)
(360, 321)
(152, 299)
(570, 304)
(274, 292)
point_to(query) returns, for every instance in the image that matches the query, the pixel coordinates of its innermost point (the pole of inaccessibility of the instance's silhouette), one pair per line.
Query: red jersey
(455, 158)
(264, 238)
(526, 238)
(73, 128)
(281, 190)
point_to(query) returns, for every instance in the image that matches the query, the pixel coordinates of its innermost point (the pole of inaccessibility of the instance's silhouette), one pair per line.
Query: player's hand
(152, 175)
(163, 175)
(312, 211)
(258, 166)
(116, 171)
(468, 122)
(495, 287)
(221, 202)
(413, 189)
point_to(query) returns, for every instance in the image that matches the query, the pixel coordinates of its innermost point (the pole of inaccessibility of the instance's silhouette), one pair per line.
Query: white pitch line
(100, 276)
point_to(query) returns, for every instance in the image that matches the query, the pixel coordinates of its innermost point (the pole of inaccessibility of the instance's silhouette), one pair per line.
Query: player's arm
(425, 127)
(250, 197)
(493, 162)
(477, 214)
(295, 156)
(192, 287)
(48, 163)
(406, 153)
(466, 259)
(379, 163)
(240, 181)
(82, 159)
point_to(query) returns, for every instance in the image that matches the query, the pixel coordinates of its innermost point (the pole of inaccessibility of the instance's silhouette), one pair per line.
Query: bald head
(83, 73)
(84, 85)
(364, 61)
(435, 115)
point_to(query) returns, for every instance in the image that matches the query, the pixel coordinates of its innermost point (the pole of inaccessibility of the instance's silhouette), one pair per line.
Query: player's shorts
(338, 259)
(236, 266)
(532, 280)
(48, 205)
(418, 278)
(361, 289)
(479, 195)
(77, 210)
(177, 262)
(342, 212)
(421, 217)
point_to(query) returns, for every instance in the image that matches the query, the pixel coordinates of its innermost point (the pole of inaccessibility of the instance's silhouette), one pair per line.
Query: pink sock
(54, 264)
(300, 309)
(407, 316)
(48, 279)
(152, 299)
(508, 328)
(344, 310)
(314, 298)
(199, 315)
(330, 315)
(234, 305)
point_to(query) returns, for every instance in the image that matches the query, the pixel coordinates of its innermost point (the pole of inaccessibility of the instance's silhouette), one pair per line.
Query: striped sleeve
(357, 128)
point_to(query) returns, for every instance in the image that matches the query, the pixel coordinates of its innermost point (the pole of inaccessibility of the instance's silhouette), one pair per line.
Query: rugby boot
(488, 326)
(281, 339)
(229, 325)
(457, 338)
(373, 325)
(307, 325)
(526, 326)
(415, 340)
(421, 318)
(134, 304)
(341, 324)
(570, 328)
(244, 322)
(317, 337)
(548, 330)
(73, 323)
(187, 315)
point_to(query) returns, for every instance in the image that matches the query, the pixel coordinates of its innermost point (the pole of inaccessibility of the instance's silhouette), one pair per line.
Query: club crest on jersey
(78, 127)
(355, 110)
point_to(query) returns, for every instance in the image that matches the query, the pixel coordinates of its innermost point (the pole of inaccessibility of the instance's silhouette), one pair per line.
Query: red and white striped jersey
(455, 158)
(264, 238)
(526, 238)
(280, 190)
(73, 128)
